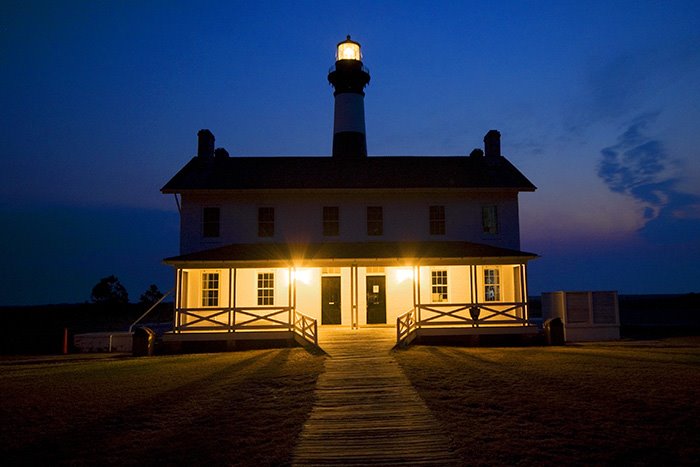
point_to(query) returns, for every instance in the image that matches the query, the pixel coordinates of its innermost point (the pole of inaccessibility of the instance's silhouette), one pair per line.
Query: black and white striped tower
(349, 78)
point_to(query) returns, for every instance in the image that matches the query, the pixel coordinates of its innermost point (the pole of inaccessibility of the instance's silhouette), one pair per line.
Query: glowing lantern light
(348, 50)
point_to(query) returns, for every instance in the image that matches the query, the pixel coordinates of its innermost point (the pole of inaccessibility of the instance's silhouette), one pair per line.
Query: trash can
(143, 342)
(554, 330)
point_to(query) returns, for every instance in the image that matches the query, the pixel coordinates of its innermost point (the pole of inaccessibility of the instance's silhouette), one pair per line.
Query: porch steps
(366, 411)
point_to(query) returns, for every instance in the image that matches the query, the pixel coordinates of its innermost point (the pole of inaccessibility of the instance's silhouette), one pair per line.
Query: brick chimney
(492, 143)
(205, 144)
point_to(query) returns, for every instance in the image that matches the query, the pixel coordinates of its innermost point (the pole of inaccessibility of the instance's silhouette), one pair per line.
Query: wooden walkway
(366, 411)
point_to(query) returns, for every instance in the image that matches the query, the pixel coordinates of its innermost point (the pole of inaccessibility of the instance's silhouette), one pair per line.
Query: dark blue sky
(598, 104)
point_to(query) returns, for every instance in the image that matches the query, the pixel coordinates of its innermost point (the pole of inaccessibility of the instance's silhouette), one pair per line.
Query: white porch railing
(471, 314)
(306, 327)
(405, 326)
(459, 315)
(246, 319)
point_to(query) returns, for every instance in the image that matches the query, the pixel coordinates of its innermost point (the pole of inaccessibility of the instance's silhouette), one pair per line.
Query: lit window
(437, 220)
(375, 220)
(489, 219)
(438, 280)
(266, 288)
(266, 222)
(492, 285)
(210, 222)
(331, 221)
(210, 289)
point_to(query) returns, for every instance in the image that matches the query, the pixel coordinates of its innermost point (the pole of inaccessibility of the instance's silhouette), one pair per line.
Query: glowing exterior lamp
(348, 50)
(302, 275)
(403, 274)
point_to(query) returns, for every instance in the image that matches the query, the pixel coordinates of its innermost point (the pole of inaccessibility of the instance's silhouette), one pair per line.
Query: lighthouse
(349, 78)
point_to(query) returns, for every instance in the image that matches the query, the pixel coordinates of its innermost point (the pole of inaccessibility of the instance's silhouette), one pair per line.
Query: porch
(422, 289)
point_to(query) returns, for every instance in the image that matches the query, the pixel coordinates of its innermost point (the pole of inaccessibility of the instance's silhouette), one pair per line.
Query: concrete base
(479, 336)
(195, 342)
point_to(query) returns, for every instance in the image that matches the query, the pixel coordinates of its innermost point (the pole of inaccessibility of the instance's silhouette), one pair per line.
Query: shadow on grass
(572, 406)
(222, 417)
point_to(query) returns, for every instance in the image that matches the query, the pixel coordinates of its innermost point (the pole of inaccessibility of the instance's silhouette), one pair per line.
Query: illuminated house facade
(288, 244)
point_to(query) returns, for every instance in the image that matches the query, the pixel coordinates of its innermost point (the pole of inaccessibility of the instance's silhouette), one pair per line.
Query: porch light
(403, 274)
(302, 275)
(348, 50)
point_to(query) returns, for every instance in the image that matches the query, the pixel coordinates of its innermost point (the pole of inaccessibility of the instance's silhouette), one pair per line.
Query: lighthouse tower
(349, 78)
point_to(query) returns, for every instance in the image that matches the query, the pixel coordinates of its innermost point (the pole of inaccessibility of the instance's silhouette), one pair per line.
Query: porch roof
(345, 253)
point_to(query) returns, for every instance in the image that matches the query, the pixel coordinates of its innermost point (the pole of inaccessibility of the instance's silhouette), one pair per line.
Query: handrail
(244, 318)
(306, 327)
(405, 325)
(150, 309)
(502, 310)
(239, 318)
(457, 314)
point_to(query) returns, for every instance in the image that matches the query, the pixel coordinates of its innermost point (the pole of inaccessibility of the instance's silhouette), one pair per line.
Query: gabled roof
(297, 254)
(400, 172)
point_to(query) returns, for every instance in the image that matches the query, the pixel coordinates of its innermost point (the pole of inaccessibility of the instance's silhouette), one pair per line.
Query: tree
(151, 296)
(109, 291)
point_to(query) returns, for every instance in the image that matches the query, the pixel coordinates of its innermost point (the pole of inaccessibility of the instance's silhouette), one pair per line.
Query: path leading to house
(366, 411)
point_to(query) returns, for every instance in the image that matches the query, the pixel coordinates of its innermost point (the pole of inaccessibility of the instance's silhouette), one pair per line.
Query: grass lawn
(633, 403)
(218, 409)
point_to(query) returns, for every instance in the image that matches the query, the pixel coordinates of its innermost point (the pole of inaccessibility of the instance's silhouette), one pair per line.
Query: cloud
(618, 83)
(639, 166)
(634, 165)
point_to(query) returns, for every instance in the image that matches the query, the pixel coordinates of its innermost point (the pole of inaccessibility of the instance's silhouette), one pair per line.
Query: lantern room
(348, 50)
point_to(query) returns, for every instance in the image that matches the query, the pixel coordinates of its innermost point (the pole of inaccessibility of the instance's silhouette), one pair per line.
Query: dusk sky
(598, 104)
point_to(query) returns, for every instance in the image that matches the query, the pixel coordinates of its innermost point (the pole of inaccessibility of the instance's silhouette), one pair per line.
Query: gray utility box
(587, 316)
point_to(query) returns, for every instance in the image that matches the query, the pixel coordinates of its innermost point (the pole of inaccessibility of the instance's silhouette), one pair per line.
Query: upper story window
(437, 220)
(492, 285)
(438, 284)
(375, 220)
(210, 289)
(266, 222)
(331, 221)
(489, 219)
(210, 222)
(266, 288)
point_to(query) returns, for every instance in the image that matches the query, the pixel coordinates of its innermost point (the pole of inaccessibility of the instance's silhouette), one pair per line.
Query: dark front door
(330, 300)
(376, 300)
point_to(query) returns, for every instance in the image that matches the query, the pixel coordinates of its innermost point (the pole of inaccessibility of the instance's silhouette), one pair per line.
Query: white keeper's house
(282, 246)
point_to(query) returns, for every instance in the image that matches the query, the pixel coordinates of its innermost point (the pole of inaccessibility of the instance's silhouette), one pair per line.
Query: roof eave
(166, 190)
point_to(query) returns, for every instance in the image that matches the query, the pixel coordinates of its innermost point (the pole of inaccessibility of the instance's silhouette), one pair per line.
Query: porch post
(475, 298)
(418, 320)
(354, 312)
(233, 303)
(523, 283)
(230, 298)
(178, 299)
(291, 283)
(415, 299)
